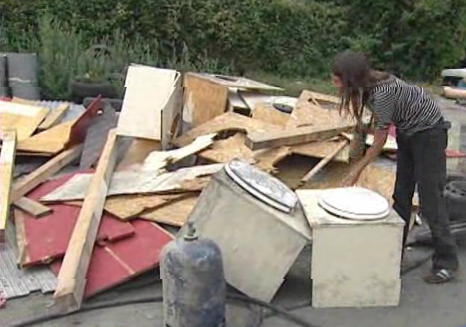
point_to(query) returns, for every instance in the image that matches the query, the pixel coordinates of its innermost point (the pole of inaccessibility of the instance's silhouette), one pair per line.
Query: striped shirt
(407, 106)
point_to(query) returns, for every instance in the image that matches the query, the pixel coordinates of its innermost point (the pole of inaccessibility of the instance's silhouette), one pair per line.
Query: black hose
(279, 311)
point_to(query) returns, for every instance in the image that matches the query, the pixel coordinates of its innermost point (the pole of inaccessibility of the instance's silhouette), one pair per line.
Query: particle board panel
(267, 113)
(125, 183)
(129, 206)
(174, 213)
(229, 121)
(148, 90)
(322, 150)
(116, 263)
(23, 118)
(204, 99)
(138, 152)
(7, 162)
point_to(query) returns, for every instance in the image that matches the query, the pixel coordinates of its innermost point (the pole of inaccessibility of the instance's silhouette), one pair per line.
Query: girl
(422, 140)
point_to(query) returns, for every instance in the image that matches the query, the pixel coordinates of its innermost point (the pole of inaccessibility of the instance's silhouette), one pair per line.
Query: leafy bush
(415, 39)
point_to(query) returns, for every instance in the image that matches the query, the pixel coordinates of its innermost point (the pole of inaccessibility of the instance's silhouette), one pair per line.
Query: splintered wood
(7, 162)
(159, 159)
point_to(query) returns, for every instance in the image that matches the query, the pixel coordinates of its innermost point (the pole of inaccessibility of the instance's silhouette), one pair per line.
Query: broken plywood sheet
(97, 136)
(133, 183)
(137, 153)
(174, 213)
(115, 263)
(322, 150)
(148, 90)
(160, 159)
(307, 113)
(229, 121)
(50, 141)
(204, 99)
(23, 118)
(234, 147)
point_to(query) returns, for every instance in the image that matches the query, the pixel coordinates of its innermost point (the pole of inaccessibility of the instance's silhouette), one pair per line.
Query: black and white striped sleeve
(383, 106)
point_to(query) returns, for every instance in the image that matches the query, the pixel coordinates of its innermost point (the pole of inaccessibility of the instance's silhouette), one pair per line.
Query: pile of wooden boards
(106, 221)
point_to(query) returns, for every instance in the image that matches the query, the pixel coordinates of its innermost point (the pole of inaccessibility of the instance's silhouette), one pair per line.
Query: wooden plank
(229, 121)
(294, 136)
(54, 117)
(147, 91)
(324, 97)
(160, 159)
(7, 163)
(23, 118)
(71, 284)
(44, 172)
(139, 182)
(204, 99)
(137, 153)
(174, 213)
(33, 207)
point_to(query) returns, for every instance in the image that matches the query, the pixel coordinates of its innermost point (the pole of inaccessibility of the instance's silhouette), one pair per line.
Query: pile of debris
(97, 190)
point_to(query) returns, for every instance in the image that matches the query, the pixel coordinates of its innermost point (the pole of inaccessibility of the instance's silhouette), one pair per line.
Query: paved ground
(421, 305)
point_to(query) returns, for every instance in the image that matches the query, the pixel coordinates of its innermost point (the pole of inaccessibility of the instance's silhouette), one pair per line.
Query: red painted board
(116, 263)
(48, 237)
(79, 129)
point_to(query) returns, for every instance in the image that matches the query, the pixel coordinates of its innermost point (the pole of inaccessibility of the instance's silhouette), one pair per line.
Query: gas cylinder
(193, 282)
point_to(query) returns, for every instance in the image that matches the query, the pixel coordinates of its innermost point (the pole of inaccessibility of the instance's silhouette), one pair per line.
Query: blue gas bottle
(193, 282)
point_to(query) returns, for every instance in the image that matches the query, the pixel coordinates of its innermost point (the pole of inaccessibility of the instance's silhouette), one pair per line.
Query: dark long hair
(357, 78)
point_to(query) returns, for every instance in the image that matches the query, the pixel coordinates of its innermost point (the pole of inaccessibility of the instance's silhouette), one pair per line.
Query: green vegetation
(290, 43)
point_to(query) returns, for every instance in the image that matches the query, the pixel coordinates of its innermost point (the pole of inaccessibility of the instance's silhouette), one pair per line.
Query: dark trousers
(421, 161)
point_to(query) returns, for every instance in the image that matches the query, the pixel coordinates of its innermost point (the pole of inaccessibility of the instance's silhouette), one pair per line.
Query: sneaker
(440, 276)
